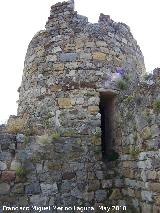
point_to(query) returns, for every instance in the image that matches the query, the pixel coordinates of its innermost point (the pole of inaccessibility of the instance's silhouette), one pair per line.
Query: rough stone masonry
(62, 149)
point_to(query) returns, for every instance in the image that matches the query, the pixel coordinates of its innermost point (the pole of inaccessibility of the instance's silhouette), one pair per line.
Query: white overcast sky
(21, 19)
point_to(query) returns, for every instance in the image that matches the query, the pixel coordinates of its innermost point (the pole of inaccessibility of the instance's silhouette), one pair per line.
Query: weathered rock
(20, 138)
(18, 189)
(8, 176)
(49, 189)
(15, 165)
(32, 189)
(100, 195)
(116, 195)
(4, 188)
(3, 166)
(64, 102)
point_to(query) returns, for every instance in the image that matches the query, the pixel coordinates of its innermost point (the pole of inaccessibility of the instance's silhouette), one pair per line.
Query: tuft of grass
(15, 125)
(21, 172)
(134, 152)
(26, 140)
(55, 136)
(121, 84)
(69, 132)
(31, 130)
(43, 139)
(129, 98)
(156, 105)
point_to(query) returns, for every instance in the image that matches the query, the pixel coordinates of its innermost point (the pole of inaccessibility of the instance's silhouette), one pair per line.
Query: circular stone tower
(69, 64)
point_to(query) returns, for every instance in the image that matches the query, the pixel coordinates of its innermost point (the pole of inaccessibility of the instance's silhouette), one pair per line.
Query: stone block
(64, 102)
(68, 175)
(99, 174)
(157, 200)
(23, 200)
(155, 131)
(3, 166)
(131, 192)
(72, 65)
(69, 47)
(152, 175)
(51, 58)
(100, 195)
(8, 176)
(147, 164)
(56, 49)
(20, 138)
(39, 200)
(156, 209)
(88, 196)
(33, 188)
(101, 44)
(55, 88)
(4, 188)
(18, 189)
(93, 109)
(154, 187)
(116, 195)
(90, 44)
(99, 56)
(15, 164)
(146, 133)
(147, 196)
(58, 67)
(49, 189)
(128, 172)
(66, 186)
(146, 208)
(68, 57)
(75, 192)
(85, 56)
(107, 184)
(93, 185)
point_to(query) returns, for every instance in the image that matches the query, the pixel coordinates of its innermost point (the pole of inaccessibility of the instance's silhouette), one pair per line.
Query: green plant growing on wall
(55, 136)
(126, 78)
(156, 105)
(26, 140)
(134, 152)
(129, 98)
(97, 133)
(121, 84)
(146, 77)
(30, 130)
(37, 157)
(21, 172)
(68, 132)
(46, 123)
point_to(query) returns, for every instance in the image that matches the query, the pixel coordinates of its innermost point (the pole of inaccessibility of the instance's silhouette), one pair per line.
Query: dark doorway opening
(107, 112)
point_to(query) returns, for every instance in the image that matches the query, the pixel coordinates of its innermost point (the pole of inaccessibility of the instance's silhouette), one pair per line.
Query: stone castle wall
(52, 154)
